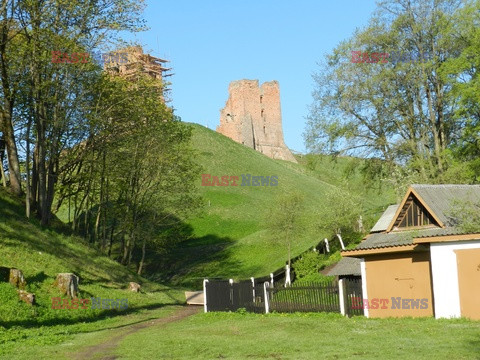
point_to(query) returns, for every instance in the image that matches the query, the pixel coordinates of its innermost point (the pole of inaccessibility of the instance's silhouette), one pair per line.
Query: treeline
(417, 119)
(106, 148)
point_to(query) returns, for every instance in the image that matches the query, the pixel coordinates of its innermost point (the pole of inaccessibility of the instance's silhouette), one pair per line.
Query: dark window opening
(414, 214)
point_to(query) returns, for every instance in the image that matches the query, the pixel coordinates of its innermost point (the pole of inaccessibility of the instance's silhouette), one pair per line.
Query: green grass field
(228, 239)
(306, 336)
(43, 253)
(230, 236)
(278, 336)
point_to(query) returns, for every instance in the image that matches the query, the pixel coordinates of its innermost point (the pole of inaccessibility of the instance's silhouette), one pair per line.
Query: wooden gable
(413, 213)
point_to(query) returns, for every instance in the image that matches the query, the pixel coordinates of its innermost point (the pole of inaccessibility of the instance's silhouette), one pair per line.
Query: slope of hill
(43, 253)
(230, 237)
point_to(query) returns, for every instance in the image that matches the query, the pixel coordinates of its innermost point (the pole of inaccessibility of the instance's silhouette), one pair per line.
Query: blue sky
(213, 42)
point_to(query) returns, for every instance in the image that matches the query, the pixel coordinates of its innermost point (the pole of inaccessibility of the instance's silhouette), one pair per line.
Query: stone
(68, 284)
(133, 286)
(252, 117)
(16, 279)
(26, 297)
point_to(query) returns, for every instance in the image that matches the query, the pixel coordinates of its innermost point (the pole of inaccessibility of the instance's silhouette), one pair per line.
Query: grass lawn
(41, 254)
(230, 238)
(304, 336)
(58, 340)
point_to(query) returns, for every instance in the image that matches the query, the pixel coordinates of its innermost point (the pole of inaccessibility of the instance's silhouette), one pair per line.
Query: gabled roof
(440, 197)
(385, 219)
(438, 201)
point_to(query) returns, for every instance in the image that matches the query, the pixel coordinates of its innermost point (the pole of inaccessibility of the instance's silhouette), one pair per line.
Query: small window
(261, 98)
(414, 214)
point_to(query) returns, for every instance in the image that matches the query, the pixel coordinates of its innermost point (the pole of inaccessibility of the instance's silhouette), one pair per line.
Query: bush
(308, 267)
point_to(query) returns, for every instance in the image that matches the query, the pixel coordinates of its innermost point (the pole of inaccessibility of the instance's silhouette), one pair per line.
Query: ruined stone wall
(252, 116)
(132, 61)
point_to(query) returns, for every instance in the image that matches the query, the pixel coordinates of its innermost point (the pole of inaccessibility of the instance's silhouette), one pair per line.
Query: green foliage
(134, 178)
(462, 73)
(405, 113)
(340, 212)
(43, 253)
(284, 219)
(308, 267)
(231, 239)
(466, 215)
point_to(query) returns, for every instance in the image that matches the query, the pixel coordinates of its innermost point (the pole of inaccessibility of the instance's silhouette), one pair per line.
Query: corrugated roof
(398, 238)
(346, 266)
(441, 197)
(385, 219)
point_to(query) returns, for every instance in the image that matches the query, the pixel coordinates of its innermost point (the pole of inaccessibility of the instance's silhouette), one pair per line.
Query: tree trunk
(126, 249)
(51, 181)
(341, 241)
(27, 169)
(2, 170)
(34, 187)
(111, 240)
(42, 171)
(140, 267)
(12, 154)
(130, 250)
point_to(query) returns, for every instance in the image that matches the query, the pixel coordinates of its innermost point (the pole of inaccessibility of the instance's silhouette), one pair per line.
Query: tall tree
(463, 74)
(394, 110)
(284, 220)
(59, 90)
(339, 213)
(135, 173)
(11, 65)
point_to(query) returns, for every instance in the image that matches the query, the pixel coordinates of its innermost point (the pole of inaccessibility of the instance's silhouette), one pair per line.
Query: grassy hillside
(229, 238)
(43, 253)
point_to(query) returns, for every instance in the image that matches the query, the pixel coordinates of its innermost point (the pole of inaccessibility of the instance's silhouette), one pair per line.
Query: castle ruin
(136, 62)
(252, 116)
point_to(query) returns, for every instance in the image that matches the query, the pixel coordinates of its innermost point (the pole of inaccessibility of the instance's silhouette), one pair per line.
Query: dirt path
(105, 349)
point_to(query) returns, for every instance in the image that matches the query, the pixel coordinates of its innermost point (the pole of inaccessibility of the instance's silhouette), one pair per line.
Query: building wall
(398, 275)
(252, 116)
(445, 276)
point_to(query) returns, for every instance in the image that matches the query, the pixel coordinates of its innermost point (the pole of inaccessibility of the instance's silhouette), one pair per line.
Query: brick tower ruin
(133, 61)
(252, 116)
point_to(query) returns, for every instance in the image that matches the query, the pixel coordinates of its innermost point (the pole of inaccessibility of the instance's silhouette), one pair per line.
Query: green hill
(230, 238)
(43, 253)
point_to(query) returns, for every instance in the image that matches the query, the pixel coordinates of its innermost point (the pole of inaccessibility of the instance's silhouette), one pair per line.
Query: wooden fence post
(253, 287)
(205, 295)
(265, 294)
(341, 296)
(287, 276)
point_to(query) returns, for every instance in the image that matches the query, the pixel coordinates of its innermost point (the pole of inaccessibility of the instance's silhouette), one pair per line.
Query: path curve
(105, 349)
